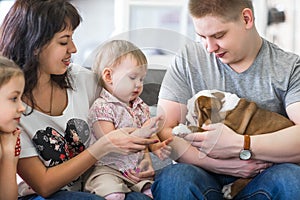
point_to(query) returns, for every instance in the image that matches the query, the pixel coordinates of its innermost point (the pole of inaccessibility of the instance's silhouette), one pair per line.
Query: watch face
(245, 154)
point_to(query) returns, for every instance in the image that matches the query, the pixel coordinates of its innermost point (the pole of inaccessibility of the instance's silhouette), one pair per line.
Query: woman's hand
(119, 141)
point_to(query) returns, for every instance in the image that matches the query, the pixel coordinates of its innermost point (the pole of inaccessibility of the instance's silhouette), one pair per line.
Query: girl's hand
(8, 143)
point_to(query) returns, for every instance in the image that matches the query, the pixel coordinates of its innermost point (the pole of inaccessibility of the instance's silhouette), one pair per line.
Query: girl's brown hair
(8, 70)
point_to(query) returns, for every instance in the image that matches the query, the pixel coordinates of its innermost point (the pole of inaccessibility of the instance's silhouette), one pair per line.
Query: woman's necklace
(51, 98)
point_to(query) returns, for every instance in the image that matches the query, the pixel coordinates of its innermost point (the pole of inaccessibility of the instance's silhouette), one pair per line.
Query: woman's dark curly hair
(27, 28)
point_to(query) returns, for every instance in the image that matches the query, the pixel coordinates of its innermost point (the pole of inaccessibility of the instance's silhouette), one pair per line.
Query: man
(231, 57)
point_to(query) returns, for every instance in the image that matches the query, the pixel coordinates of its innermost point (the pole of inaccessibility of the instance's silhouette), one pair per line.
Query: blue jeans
(183, 181)
(65, 195)
(136, 196)
(68, 195)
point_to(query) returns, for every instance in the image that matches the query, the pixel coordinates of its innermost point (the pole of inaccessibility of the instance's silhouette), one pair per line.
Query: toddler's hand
(162, 150)
(150, 127)
(144, 171)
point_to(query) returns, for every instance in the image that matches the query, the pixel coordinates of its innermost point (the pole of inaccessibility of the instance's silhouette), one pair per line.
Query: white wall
(4, 7)
(96, 27)
(285, 34)
(98, 24)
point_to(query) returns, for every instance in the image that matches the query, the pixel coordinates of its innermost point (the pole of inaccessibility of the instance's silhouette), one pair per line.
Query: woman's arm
(46, 181)
(32, 169)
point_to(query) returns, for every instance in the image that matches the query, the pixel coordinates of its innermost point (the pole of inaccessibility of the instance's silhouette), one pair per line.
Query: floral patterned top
(109, 108)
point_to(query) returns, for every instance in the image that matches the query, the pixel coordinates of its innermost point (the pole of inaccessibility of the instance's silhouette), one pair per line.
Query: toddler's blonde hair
(111, 54)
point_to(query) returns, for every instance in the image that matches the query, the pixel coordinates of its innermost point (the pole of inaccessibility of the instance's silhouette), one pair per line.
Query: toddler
(121, 68)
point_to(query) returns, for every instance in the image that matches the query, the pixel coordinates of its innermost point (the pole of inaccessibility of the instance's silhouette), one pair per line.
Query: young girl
(11, 89)
(37, 35)
(121, 68)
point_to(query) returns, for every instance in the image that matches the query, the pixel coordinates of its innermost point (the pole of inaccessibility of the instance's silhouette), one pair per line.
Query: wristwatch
(246, 153)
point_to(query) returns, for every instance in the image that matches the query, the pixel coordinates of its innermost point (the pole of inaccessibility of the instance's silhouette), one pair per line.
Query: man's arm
(173, 113)
(283, 145)
(182, 151)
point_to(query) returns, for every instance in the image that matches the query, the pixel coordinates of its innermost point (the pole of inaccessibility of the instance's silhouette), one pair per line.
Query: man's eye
(202, 37)
(218, 36)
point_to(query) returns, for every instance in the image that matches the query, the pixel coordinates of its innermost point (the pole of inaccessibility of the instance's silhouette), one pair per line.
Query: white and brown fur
(242, 116)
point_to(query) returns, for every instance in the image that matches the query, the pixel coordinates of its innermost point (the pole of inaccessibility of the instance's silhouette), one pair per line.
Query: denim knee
(285, 178)
(184, 181)
(281, 181)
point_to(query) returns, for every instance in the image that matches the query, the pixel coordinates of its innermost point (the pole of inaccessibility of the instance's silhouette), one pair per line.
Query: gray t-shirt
(272, 81)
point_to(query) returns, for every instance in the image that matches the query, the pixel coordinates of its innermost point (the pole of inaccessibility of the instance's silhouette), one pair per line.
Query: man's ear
(248, 17)
(107, 75)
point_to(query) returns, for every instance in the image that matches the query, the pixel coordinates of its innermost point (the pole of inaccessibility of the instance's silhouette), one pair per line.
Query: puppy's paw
(181, 130)
(227, 191)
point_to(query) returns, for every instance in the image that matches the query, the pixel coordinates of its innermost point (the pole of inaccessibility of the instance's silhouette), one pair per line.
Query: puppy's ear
(216, 104)
(203, 108)
(219, 95)
(208, 109)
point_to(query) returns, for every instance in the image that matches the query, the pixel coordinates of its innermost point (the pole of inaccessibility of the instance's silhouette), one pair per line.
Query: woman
(37, 35)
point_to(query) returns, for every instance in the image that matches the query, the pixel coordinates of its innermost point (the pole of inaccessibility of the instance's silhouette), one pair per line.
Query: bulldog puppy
(242, 116)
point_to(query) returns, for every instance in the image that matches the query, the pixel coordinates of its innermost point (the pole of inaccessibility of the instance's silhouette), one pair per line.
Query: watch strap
(247, 142)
